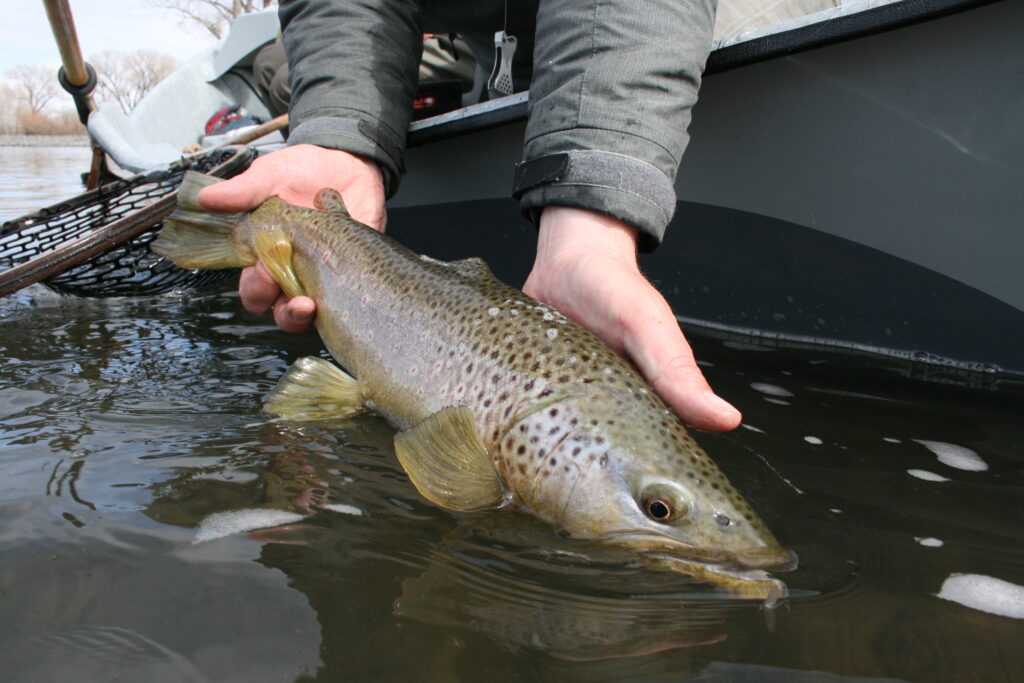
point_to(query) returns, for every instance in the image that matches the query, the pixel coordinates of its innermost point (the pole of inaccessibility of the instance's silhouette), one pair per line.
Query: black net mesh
(126, 269)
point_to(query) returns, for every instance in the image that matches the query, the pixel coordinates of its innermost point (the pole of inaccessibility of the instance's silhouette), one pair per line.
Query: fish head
(640, 482)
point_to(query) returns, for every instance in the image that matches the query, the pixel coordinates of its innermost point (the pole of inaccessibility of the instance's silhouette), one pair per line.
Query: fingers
(294, 315)
(258, 289)
(652, 338)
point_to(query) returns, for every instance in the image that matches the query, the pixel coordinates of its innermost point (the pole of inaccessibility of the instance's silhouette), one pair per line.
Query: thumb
(241, 193)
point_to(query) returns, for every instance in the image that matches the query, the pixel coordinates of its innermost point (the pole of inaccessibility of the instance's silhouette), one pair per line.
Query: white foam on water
(960, 457)
(221, 524)
(984, 593)
(926, 475)
(776, 401)
(752, 428)
(770, 389)
(344, 509)
(929, 541)
(889, 439)
(813, 439)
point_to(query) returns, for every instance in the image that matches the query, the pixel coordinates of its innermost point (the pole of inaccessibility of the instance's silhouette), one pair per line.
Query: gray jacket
(613, 83)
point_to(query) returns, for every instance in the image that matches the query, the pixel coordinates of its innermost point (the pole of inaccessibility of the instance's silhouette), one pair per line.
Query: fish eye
(658, 509)
(663, 504)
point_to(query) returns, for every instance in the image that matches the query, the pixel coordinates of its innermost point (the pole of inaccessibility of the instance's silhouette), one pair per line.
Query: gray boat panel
(909, 142)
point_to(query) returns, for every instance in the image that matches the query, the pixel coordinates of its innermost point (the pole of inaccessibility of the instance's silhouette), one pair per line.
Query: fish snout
(767, 557)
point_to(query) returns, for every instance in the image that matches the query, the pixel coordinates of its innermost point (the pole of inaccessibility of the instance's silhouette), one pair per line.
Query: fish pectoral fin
(274, 249)
(315, 389)
(448, 463)
(330, 200)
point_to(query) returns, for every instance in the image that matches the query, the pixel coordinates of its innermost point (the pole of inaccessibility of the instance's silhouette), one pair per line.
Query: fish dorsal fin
(472, 267)
(447, 462)
(330, 200)
(274, 249)
(314, 389)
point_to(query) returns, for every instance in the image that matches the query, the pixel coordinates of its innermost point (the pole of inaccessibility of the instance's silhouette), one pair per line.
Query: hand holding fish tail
(296, 174)
(586, 267)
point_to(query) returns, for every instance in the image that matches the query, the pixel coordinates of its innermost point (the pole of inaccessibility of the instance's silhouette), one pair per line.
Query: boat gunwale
(827, 31)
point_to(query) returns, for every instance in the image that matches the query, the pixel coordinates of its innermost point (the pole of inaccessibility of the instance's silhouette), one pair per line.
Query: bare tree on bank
(213, 15)
(35, 85)
(126, 77)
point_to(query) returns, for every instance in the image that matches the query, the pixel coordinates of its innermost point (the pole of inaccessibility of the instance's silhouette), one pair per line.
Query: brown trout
(500, 400)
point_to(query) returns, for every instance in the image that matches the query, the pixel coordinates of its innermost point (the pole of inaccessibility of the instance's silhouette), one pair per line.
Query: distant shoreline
(44, 141)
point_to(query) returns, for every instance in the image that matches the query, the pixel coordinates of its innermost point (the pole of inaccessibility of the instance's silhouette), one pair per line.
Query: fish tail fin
(193, 237)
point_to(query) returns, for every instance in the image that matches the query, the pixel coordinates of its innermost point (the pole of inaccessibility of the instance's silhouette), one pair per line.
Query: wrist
(568, 233)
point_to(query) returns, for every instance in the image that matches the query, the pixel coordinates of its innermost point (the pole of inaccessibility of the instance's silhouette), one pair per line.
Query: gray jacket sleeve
(610, 101)
(353, 69)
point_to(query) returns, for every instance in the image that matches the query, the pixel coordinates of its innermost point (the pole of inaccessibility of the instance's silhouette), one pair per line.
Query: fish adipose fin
(330, 201)
(315, 389)
(447, 462)
(274, 248)
(193, 237)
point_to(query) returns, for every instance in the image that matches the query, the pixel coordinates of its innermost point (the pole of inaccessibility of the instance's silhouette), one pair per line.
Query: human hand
(296, 174)
(586, 268)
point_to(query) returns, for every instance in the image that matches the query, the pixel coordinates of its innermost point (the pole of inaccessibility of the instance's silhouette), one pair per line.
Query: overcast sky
(125, 25)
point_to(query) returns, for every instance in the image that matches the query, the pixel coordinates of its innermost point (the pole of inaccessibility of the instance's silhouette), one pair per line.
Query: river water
(157, 526)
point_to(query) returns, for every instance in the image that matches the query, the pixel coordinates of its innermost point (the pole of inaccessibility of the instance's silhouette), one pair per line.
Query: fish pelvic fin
(274, 249)
(315, 389)
(448, 463)
(193, 237)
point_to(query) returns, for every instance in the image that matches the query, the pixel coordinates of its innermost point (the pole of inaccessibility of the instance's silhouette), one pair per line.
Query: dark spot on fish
(603, 462)
(553, 412)
(576, 451)
(564, 379)
(521, 449)
(546, 392)
(487, 403)
(529, 386)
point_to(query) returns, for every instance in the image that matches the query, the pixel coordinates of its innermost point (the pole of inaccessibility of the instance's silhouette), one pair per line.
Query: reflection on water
(157, 526)
(34, 177)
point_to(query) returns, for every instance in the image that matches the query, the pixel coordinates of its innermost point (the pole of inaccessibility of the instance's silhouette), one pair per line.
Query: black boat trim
(898, 14)
(918, 364)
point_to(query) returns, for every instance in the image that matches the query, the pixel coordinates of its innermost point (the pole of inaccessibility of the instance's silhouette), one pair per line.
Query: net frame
(124, 267)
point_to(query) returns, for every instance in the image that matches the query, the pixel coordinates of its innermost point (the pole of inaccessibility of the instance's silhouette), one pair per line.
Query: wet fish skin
(503, 401)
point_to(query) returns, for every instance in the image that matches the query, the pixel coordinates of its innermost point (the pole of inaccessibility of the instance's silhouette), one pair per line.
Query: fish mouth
(747, 584)
(769, 556)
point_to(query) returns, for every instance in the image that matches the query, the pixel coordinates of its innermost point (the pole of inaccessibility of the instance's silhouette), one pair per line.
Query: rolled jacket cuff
(357, 136)
(626, 188)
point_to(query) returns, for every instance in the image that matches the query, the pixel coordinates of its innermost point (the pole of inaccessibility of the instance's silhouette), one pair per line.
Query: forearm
(353, 72)
(613, 87)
